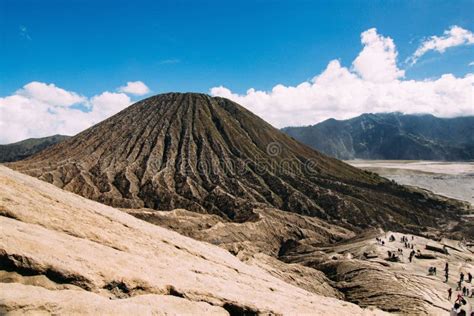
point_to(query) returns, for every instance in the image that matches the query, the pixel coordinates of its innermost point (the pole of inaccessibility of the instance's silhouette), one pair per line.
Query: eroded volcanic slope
(61, 254)
(210, 155)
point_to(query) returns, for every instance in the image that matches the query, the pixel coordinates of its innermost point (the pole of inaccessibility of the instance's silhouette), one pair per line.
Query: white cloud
(377, 61)
(108, 103)
(40, 109)
(341, 93)
(50, 94)
(135, 87)
(455, 36)
(471, 63)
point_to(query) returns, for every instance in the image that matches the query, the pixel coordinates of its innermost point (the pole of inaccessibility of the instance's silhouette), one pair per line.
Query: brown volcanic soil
(210, 155)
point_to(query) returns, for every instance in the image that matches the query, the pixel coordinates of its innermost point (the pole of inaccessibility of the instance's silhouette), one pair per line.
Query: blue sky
(90, 46)
(67, 65)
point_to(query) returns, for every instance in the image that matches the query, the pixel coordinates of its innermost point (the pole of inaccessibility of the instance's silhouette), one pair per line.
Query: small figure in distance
(445, 249)
(412, 253)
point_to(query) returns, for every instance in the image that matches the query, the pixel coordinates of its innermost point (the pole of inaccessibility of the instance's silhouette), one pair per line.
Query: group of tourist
(459, 307)
(395, 255)
(465, 292)
(464, 285)
(407, 243)
(432, 271)
(466, 289)
(380, 241)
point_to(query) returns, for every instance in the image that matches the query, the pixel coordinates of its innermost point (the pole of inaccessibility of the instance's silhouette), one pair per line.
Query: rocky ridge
(393, 136)
(28, 147)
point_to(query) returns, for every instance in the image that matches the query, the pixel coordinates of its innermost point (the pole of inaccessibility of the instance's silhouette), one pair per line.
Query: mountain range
(392, 136)
(25, 148)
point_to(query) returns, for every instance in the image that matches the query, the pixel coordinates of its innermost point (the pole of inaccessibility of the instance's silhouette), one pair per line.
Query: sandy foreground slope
(356, 268)
(61, 253)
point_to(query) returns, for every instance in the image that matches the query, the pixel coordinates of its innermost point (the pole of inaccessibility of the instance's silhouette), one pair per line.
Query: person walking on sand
(460, 300)
(450, 294)
(469, 277)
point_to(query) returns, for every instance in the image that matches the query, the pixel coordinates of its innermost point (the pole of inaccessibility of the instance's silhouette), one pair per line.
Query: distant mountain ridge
(28, 147)
(391, 136)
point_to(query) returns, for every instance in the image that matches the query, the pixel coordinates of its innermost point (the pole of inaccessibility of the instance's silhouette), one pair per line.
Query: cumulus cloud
(39, 109)
(377, 61)
(108, 103)
(50, 94)
(341, 93)
(135, 87)
(455, 36)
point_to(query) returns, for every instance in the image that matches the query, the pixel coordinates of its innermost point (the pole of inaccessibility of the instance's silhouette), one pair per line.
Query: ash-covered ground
(452, 179)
